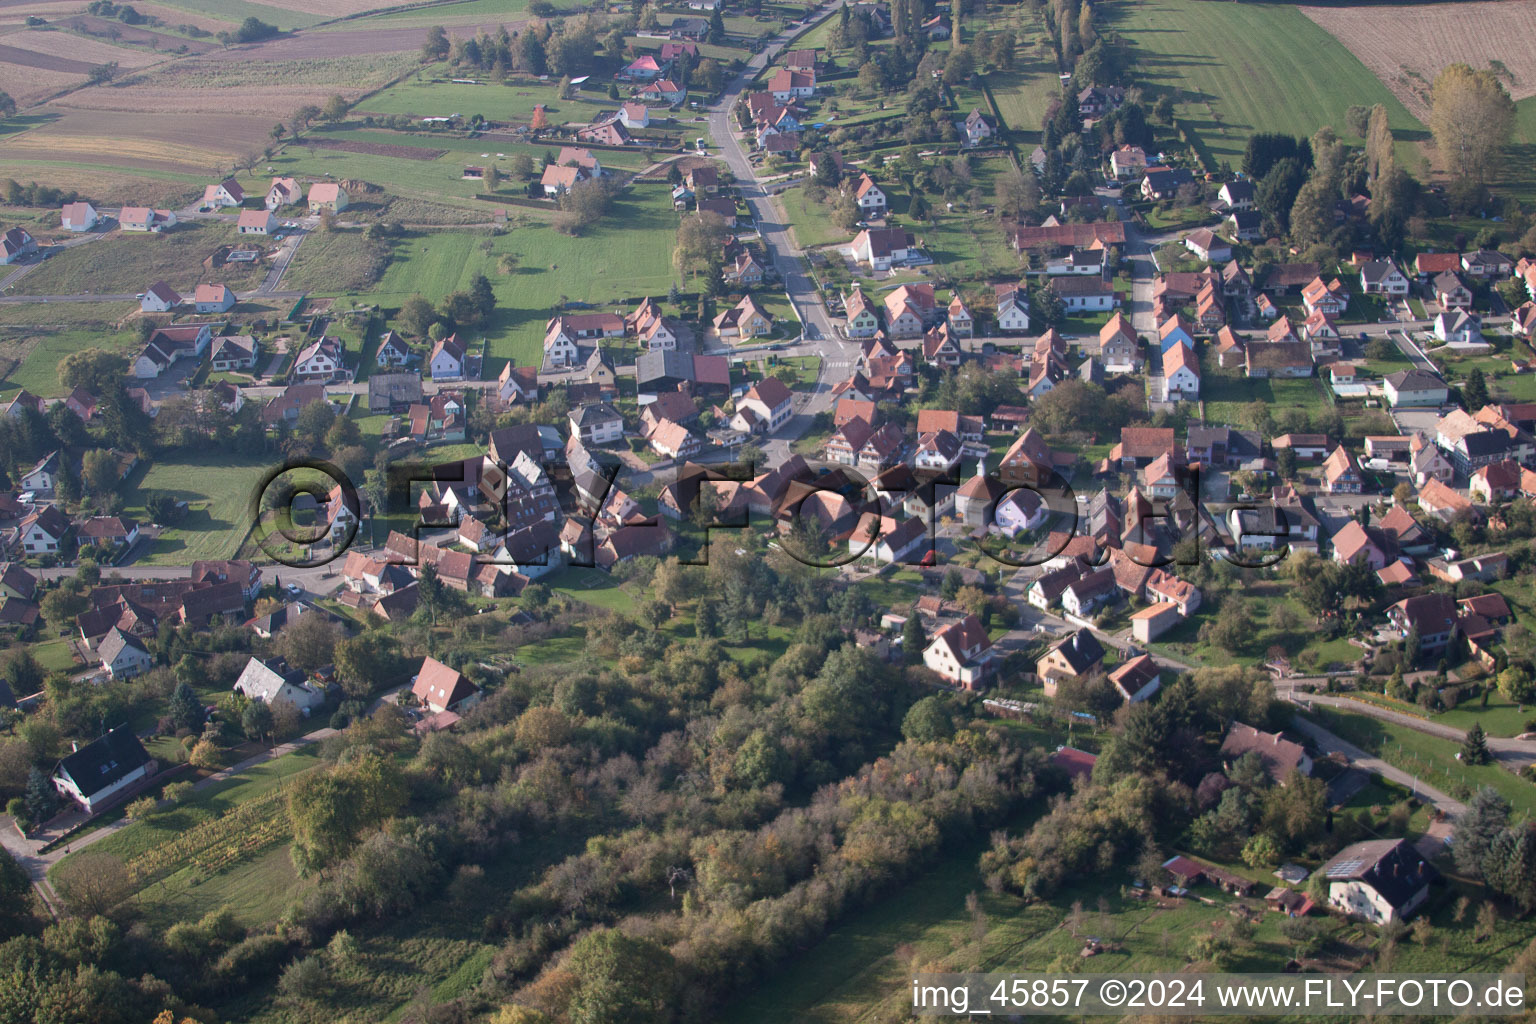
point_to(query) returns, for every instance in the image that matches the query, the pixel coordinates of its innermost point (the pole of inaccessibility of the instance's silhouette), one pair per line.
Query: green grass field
(447, 14)
(1236, 69)
(1427, 757)
(128, 262)
(628, 254)
(1227, 394)
(31, 358)
(218, 487)
(236, 11)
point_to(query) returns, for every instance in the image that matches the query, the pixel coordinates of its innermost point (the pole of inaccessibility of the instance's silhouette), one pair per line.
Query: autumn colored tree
(1471, 117)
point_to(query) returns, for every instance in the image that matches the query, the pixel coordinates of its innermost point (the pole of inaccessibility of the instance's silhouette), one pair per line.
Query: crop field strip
(1406, 46)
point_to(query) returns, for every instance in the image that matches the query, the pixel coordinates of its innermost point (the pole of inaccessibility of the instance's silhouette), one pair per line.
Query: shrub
(142, 808)
(177, 792)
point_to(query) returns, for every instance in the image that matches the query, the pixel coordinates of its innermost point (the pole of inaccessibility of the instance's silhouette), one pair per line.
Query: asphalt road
(819, 337)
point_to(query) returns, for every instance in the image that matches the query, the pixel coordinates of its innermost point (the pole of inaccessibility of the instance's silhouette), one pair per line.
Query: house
(1230, 350)
(1497, 481)
(958, 317)
(634, 115)
(1076, 655)
(319, 361)
(645, 68)
(868, 197)
(1246, 225)
(608, 133)
(1237, 195)
(168, 344)
(42, 531)
(1435, 497)
(1128, 161)
(107, 531)
(273, 682)
(1381, 277)
(1119, 347)
(392, 351)
(829, 161)
(663, 91)
(881, 248)
(159, 298)
(17, 583)
(976, 128)
(1357, 545)
(1415, 388)
(1523, 320)
(123, 655)
(1153, 621)
(1210, 308)
(1095, 100)
(596, 424)
(282, 192)
(233, 352)
(1208, 245)
(1137, 679)
(1089, 592)
(226, 193)
(143, 218)
(770, 401)
(887, 541)
(1280, 756)
(1486, 263)
(746, 319)
(446, 361)
(1431, 616)
(15, 244)
(1306, 447)
(674, 441)
(1380, 880)
(256, 222)
(557, 179)
(1012, 308)
(961, 653)
(1176, 331)
(863, 321)
(213, 298)
(1165, 183)
(42, 475)
(1331, 298)
(1427, 264)
(800, 60)
(1451, 292)
(1458, 327)
(327, 196)
(786, 85)
(440, 688)
(440, 418)
(909, 309)
(725, 209)
(1341, 475)
(1084, 294)
(97, 773)
(1181, 374)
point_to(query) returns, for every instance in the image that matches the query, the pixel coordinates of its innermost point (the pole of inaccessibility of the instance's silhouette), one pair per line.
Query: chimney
(74, 745)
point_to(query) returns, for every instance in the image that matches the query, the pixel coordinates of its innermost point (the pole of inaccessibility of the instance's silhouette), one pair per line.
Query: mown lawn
(29, 358)
(218, 487)
(626, 256)
(1237, 69)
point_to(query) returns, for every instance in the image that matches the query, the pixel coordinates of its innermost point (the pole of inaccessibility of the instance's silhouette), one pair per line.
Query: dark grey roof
(1390, 866)
(1414, 380)
(1081, 650)
(104, 762)
(664, 365)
